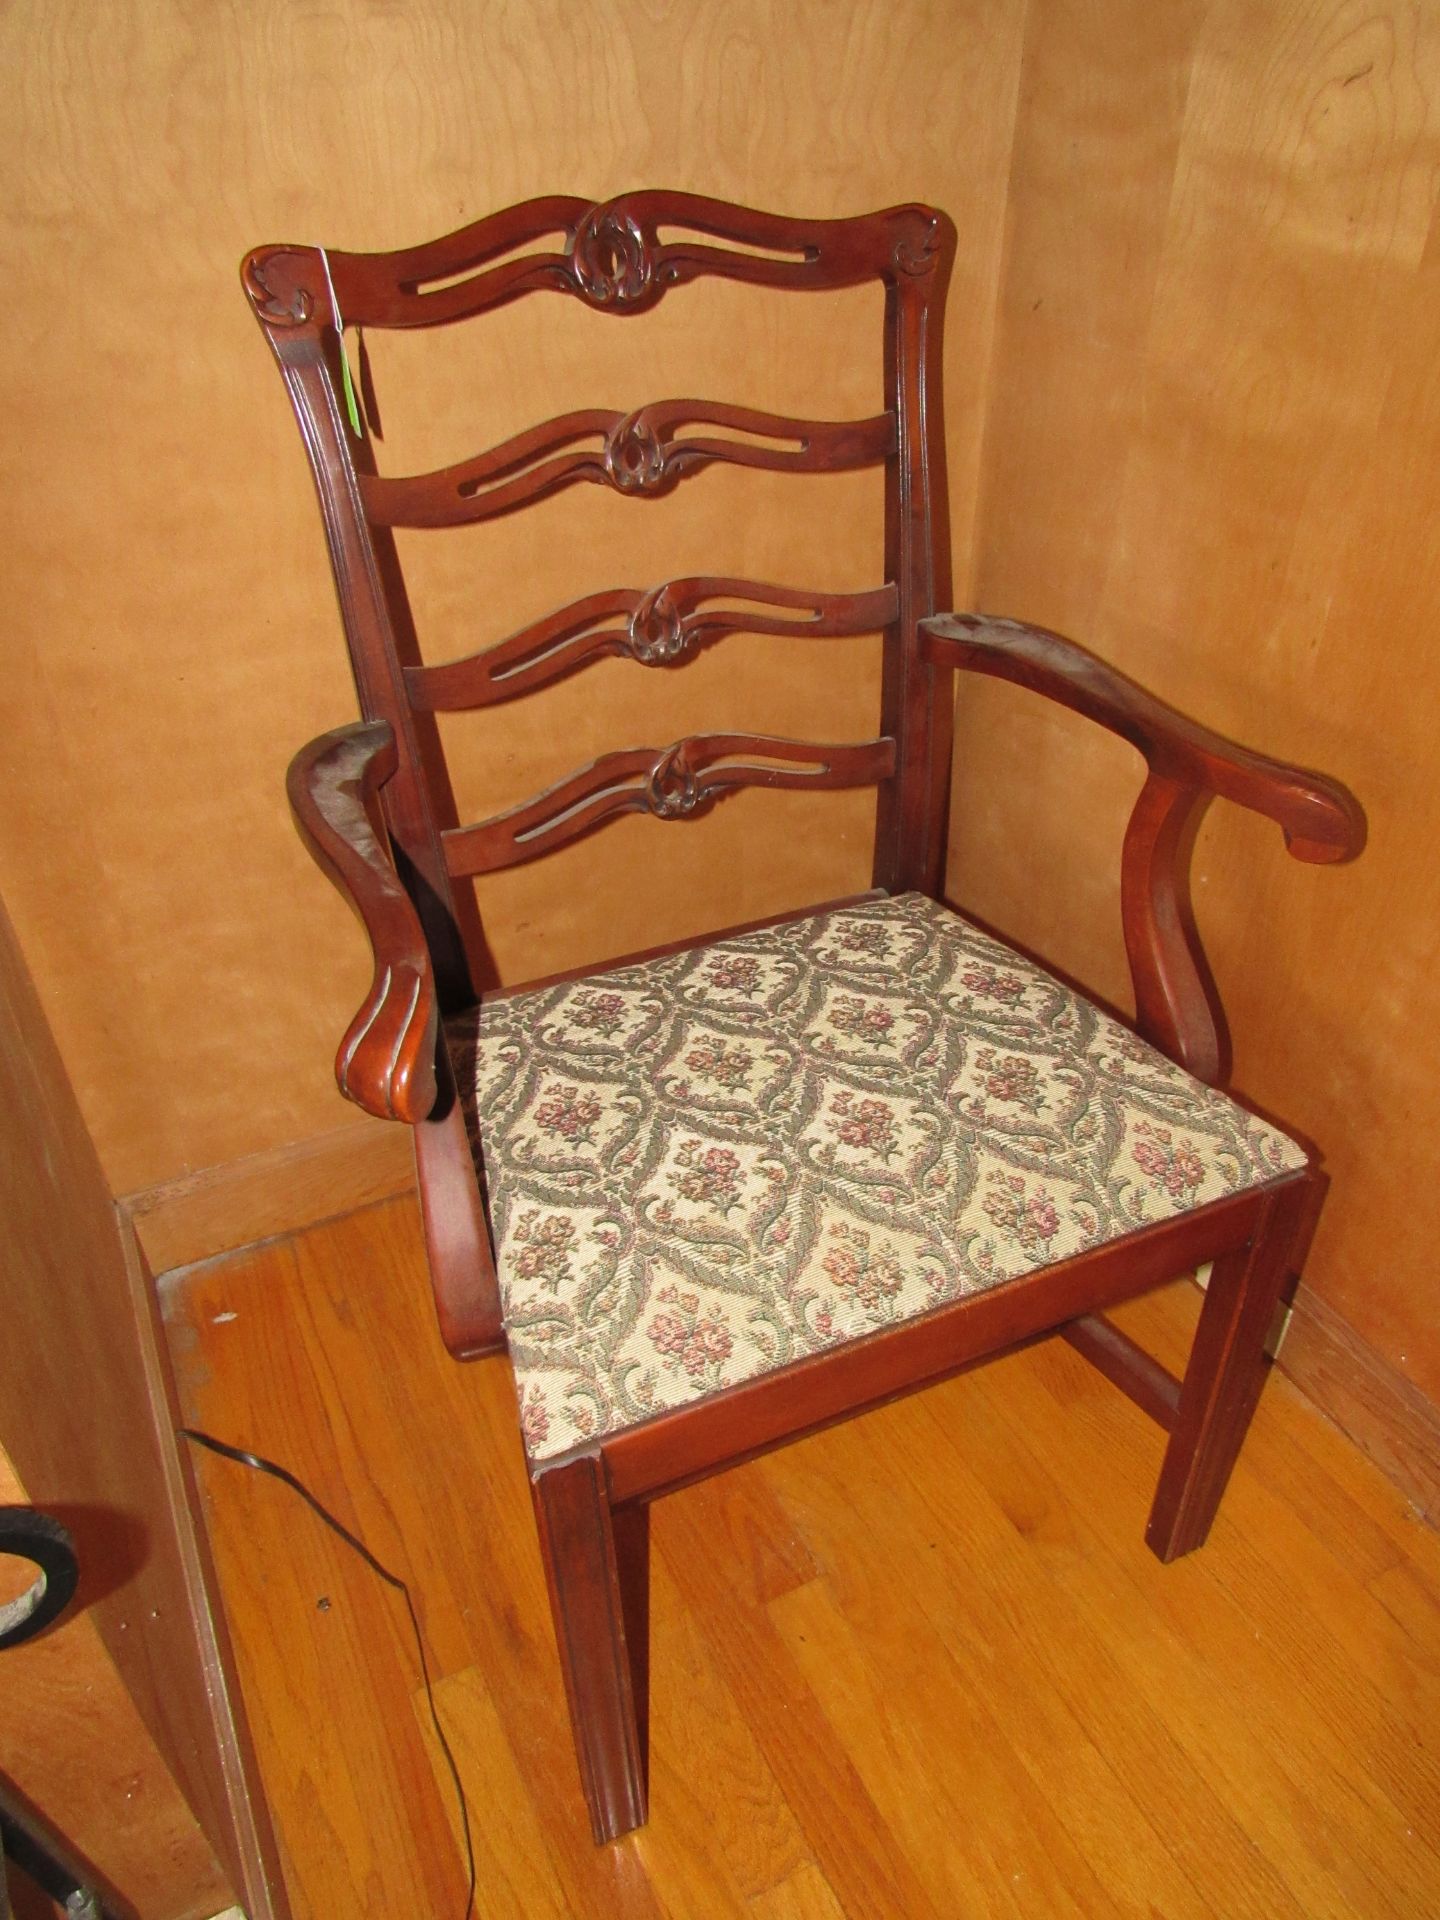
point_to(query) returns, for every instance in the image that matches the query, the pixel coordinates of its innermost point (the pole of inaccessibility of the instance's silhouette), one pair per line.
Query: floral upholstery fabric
(704, 1167)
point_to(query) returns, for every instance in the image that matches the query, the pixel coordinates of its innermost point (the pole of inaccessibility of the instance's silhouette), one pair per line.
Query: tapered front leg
(1227, 1369)
(597, 1566)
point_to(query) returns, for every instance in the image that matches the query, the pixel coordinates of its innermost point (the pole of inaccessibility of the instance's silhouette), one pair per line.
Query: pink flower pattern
(734, 973)
(1027, 1217)
(695, 1343)
(994, 985)
(864, 1123)
(600, 1012)
(545, 1248)
(1010, 1077)
(862, 1019)
(865, 937)
(534, 1419)
(728, 1067)
(844, 1190)
(874, 1278)
(1174, 1165)
(712, 1175)
(569, 1113)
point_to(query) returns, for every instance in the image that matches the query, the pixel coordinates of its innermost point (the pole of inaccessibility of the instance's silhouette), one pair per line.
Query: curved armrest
(1176, 1002)
(386, 1061)
(1321, 820)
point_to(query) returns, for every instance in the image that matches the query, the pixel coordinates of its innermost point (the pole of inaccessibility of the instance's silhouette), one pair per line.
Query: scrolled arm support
(1177, 1004)
(386, 1062)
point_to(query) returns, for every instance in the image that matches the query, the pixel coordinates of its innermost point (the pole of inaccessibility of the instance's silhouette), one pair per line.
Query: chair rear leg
(1227, 1368)
(597, 1567)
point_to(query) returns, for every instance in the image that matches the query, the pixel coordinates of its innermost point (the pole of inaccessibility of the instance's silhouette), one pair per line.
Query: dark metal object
(40, 1538)
(34, 1858)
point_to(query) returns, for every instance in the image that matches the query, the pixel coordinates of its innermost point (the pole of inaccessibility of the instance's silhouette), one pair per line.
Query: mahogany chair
(735, 1190)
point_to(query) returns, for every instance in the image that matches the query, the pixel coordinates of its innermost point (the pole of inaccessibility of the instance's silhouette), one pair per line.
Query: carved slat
(641, 452)
(670, 782)
(656, 626)
(619, 256)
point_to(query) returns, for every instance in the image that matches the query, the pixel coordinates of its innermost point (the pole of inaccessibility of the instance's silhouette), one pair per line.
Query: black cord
(262, 1465)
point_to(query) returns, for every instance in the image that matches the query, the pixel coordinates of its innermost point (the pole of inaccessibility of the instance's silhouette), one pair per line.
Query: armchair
(722, 1193)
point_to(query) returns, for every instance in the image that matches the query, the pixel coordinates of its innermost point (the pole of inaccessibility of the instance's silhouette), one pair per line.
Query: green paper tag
(352, 405)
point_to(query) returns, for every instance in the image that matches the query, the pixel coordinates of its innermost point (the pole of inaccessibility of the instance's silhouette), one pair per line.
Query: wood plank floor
(920, 1665)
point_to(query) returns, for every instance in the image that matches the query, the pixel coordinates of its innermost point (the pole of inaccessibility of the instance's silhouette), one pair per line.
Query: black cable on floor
(262, 1465)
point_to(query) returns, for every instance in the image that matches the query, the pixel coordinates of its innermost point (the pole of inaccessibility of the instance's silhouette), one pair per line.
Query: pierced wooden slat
(619, 256)
(670, 782)
(657, 626)
(641, 452)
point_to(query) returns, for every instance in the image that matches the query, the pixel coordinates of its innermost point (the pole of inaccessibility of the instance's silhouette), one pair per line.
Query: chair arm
(386, 1061)
(1321, 820)
(1176, 1002)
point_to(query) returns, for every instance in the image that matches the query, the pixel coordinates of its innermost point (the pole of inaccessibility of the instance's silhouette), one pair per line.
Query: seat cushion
(704, 1167)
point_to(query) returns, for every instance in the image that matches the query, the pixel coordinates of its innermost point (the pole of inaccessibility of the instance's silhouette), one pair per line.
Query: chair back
(622, 258)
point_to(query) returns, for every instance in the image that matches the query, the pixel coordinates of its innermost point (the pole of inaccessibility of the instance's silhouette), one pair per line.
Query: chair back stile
(621, 257)
(911, 818)
(289, 291)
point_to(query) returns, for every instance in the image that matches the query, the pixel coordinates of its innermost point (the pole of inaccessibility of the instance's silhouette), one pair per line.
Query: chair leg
(597, 1567)
(1227, 1369)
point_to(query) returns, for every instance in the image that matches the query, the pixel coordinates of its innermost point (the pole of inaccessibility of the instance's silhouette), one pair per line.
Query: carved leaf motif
(916, 251)
(611, 258)
(671, 790)
(275, 290)
(635, 455)
(656, 632)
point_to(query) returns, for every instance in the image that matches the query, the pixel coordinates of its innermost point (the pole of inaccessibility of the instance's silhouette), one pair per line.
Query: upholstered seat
(704, 1167)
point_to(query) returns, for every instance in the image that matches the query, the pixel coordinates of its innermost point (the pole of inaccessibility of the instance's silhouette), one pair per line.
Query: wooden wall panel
(72, 1740)
(85, 1429)
(1209, 445)
(171, 633)
(1212, 452)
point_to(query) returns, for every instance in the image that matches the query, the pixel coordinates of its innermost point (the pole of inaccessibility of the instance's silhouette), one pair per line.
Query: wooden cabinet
(120, 1723)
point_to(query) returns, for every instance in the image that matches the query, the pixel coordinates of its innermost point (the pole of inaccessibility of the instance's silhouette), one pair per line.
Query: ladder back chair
(715, 1196)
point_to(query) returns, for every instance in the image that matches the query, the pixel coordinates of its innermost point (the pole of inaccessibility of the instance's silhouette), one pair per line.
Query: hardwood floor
(919, 1665)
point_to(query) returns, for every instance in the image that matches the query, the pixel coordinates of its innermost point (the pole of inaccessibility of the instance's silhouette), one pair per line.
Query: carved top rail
(619, 256)
(671, 783)
(658, 626)
(645, 452)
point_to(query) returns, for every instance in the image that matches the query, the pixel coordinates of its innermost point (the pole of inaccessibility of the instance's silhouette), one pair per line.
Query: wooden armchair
(731, 1191)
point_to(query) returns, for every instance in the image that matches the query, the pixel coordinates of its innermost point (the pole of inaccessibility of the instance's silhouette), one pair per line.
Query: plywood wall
(93, 1747)
(170, 630)
(1193, 413)
(1213, 451)
(74, 1743)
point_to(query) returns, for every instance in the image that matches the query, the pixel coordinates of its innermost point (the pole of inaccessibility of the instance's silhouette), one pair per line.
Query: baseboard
(224, 1208)
(1386, 1416)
